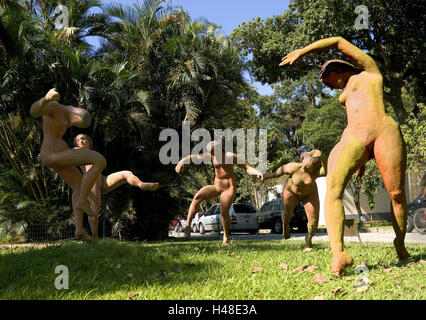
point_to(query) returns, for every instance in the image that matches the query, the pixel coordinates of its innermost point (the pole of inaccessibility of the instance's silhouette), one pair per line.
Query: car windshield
(244, 208)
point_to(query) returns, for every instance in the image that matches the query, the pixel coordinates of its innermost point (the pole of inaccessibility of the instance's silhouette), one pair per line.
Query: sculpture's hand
(53, 95)
(179, 167)
(292, 57)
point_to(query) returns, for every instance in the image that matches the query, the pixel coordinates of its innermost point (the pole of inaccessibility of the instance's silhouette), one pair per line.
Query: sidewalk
(369, 235)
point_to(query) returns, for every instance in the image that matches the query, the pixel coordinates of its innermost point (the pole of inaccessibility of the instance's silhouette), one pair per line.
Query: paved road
(381, 236)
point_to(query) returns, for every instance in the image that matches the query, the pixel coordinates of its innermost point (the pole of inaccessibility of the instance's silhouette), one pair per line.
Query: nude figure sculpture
(105, 184)
(56, 154)
(370, 133)
(301, 186)
(224, 185)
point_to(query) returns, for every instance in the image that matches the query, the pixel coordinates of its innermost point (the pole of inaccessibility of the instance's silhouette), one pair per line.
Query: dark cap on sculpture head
(337, 66)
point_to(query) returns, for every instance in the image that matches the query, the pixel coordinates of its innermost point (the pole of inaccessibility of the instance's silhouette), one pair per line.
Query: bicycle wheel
(420, 220)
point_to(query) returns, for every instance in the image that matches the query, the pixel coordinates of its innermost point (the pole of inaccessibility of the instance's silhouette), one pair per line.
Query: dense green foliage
(302, 112)
(155, 67)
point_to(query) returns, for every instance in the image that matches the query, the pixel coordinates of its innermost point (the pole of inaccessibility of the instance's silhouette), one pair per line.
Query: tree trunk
(393, 97)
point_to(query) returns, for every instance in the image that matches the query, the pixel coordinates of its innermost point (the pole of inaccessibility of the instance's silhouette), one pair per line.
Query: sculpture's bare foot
(83, 235)
(87, 209)
(187, 233)
(95, 237)
(340, 261)
(150, 186)
(225, 243)
(308, 241)
(401, 251)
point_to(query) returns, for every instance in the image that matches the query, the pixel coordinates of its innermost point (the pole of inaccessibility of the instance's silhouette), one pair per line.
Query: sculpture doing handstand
(301, 186)
(56, 154)
(105, 184)
(370, 133)
(224, 185)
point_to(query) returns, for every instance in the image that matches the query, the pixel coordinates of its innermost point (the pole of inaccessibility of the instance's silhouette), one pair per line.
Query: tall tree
(395, 38)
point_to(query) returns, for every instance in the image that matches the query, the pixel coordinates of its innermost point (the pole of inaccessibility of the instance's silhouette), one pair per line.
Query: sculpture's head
(311, 160)
(83, 141)
(335, 73)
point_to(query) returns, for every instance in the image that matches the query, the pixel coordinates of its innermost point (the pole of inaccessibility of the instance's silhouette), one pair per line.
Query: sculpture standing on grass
(370, 133)
(224, 185)
(301, 186)
(106, 184)
(56, 154)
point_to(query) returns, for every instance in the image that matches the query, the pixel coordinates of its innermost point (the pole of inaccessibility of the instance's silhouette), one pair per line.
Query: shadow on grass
(109, 266)
(113, 268)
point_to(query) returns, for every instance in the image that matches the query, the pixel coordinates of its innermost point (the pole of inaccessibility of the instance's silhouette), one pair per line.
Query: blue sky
(228, 14)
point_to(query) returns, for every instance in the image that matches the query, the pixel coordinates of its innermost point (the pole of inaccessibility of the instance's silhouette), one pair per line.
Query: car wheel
(277, 227)
(410, 224)
(253, 231)
(202, 229)
(177, 227)
(194, 228)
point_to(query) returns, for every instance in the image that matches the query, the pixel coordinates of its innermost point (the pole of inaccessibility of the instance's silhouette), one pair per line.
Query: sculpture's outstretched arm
(361, 60)
(288, 168)
(250, 170)
(198, 158)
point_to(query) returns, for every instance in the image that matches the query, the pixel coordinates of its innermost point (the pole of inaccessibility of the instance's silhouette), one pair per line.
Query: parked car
(243, 219)
(269, 217)
(412, 207)
(178, 224)
(195, 222)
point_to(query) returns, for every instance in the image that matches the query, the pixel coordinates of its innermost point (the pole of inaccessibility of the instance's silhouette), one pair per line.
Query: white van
(243, 219)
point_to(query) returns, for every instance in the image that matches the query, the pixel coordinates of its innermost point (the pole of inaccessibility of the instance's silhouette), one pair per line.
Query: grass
(178, 270)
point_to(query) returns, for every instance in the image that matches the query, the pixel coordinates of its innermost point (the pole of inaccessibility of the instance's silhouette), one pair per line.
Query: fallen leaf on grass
(284, 266)
(319, 298)
(387, 270)
(299, 269)
(337, 290)
(257, 269)
(130, 275)
(320, 278)
(307, 249)
(422, 261)
(311, 268)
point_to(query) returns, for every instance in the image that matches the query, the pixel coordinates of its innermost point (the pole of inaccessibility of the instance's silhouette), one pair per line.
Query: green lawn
(178, 269)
